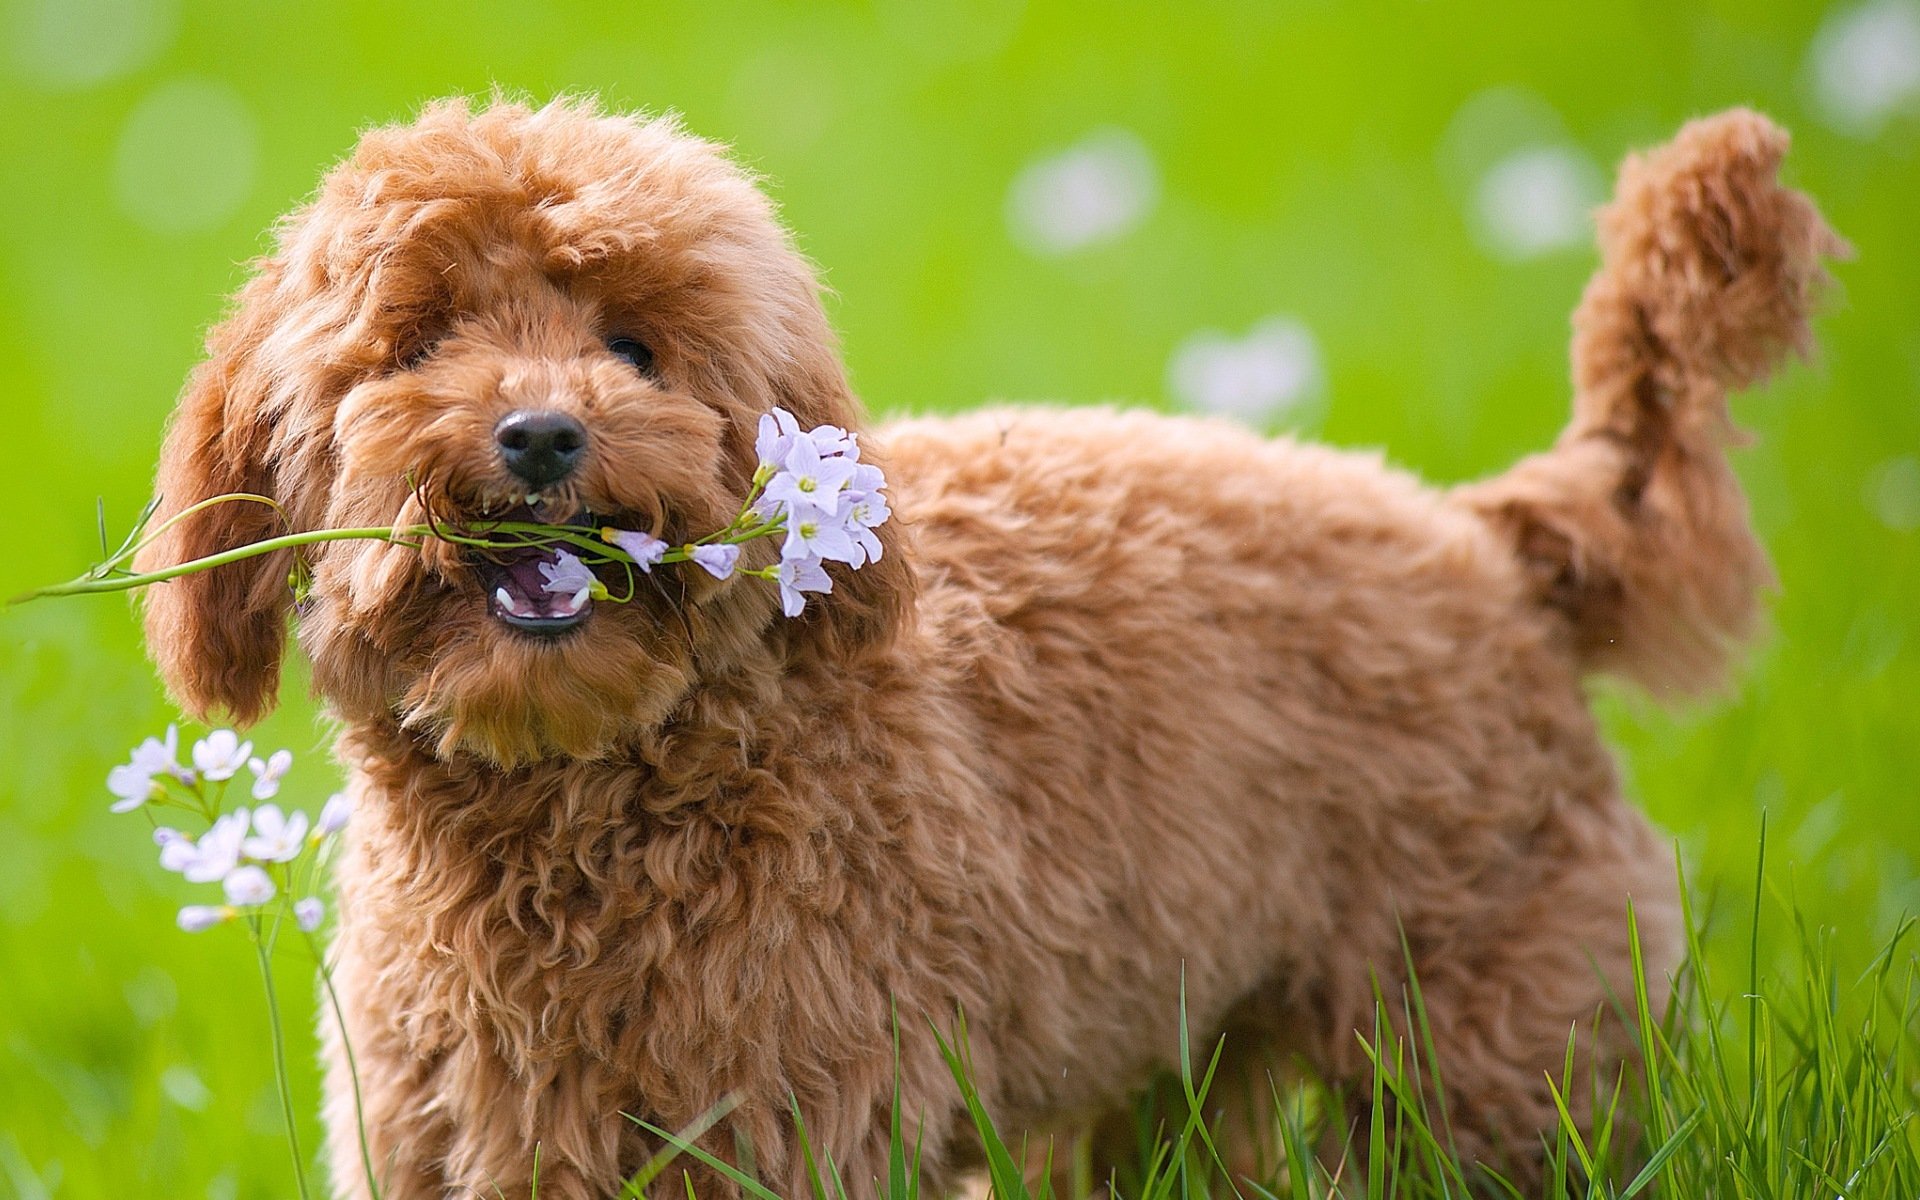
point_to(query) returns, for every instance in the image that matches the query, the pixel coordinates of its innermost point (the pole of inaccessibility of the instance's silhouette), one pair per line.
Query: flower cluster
(811, 489)
(254, 855)
(826, 501)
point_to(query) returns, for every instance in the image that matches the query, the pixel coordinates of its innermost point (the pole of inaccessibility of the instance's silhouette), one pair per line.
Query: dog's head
(551, 314)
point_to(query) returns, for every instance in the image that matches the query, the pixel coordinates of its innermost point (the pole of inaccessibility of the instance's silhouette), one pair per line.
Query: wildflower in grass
(333, 815)
(643, 548)
(220, 755)
(717, 560)
(161, 754)
(255, 855)
(133, 781)
(133, 785)
(176, 849)
(796, 576)
(212, 857)
(197, 917)
(247, 886)
(309, 913)
(267, 774)
(277, 837)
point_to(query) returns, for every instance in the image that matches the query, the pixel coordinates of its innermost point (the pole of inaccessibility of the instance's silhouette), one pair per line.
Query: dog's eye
(634, 352)
(412, 353)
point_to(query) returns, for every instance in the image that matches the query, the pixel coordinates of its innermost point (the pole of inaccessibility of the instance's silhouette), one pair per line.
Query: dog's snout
(540, 447)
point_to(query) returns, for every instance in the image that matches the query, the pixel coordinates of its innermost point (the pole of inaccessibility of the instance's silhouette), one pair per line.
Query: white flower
(827, 502)
(830, 440)
(808, 478)
(778, 429)
(309, 913)
(133, 780)
(267, 775)
(567, 575)
(280, 837)
(215, 855)
(247, 885)
(133, 785)
(644, 549)
(176, 849)
(812, 533)
(157, 755)
(221, 754)
(718, 560)
(196, 917)
(798, 575)
(867, 510)
(333, 815)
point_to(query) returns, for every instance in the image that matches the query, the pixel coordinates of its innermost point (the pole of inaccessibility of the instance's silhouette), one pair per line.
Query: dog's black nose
(540, 447)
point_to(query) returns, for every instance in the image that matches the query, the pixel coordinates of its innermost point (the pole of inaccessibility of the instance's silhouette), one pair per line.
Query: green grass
(1789, 1084)
(1304, 164)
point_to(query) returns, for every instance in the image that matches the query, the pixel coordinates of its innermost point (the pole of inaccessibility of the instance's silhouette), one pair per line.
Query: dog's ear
(217, 636)
(867, 607)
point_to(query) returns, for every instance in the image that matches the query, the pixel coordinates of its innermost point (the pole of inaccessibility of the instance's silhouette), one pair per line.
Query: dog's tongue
(522, 590)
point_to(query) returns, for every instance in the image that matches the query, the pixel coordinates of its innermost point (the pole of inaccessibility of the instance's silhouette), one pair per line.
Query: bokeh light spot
(1524, 185)
(1093, 191)
(945, 32)
(1537, 200)
(1267, 374)
(1865, 64)
(186, 158)
(786, 96)
(1893, 493)
(66, 44)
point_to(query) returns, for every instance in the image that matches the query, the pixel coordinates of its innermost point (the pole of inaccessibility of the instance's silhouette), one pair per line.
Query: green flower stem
(132, 547)
(353, 1065)
(280, 1062)
(98, 580)
(505, 535)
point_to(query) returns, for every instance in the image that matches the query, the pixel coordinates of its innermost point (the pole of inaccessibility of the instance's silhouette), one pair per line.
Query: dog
(1132, 712)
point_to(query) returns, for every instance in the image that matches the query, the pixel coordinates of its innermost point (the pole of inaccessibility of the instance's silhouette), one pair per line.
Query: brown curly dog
(1130, 703)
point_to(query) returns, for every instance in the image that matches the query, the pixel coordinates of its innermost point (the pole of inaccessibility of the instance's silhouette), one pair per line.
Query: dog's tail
(1633, 526)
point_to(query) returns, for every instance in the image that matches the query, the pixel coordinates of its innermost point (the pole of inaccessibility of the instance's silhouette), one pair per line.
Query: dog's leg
(1548, 959)
(1250, 1075)
(406, 1133)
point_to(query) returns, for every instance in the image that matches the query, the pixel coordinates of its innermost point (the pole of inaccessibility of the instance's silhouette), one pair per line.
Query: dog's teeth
(501, 598)
(533, 497)
(574, 603)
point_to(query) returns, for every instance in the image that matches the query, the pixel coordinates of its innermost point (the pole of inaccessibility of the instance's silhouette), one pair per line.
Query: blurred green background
(1379, 208)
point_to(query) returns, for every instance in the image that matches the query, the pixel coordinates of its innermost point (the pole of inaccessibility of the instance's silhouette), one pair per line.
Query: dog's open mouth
(526, 587)
(517, 592)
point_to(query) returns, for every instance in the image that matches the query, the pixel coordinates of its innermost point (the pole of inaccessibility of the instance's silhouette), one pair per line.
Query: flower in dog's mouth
(810, 489)
(544, 589)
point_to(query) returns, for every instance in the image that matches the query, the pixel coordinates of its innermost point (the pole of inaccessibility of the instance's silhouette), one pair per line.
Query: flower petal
(196, 917)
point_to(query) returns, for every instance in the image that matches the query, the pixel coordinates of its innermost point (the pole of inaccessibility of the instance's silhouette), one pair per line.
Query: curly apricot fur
(1131, 702)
